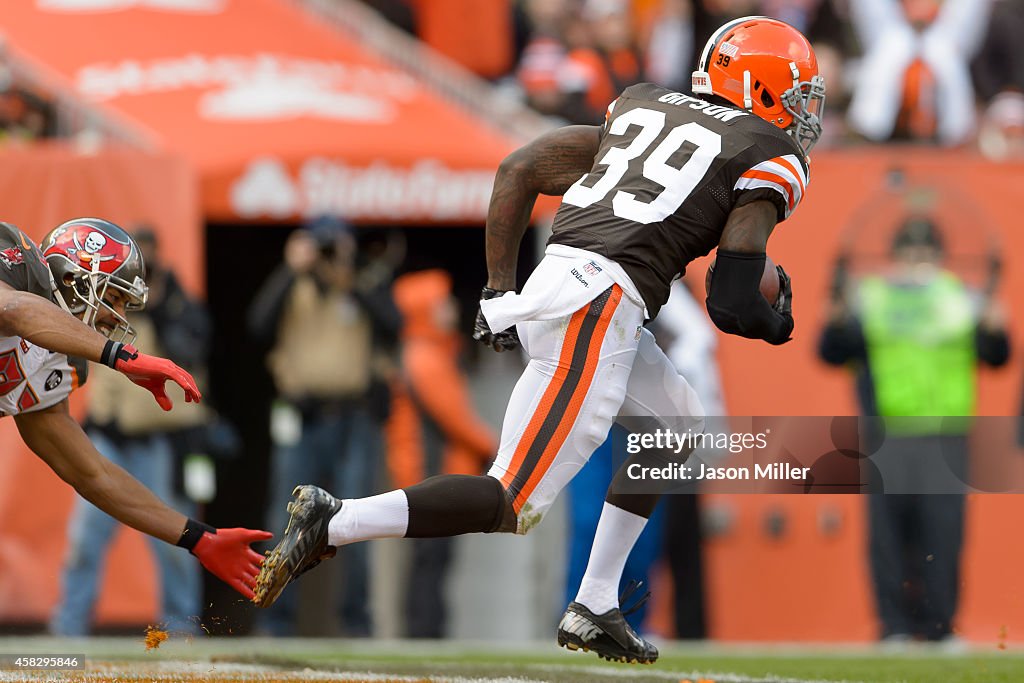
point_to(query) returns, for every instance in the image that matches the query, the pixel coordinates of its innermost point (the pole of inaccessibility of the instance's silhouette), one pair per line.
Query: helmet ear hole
(766, 99)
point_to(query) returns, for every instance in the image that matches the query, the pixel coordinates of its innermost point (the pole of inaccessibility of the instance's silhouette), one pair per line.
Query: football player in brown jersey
(667, 178)
(65, 304)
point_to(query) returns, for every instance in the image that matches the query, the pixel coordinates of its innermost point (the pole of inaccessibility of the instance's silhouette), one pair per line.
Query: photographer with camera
(326, 328)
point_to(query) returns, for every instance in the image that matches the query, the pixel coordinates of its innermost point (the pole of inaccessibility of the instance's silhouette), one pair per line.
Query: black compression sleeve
(735, 303)
(453, 504)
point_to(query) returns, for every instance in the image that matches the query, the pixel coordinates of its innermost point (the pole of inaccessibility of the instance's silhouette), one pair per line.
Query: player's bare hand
(506, 340)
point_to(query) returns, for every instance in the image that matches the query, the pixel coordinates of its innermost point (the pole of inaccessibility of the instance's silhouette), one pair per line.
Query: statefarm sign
(429, 190)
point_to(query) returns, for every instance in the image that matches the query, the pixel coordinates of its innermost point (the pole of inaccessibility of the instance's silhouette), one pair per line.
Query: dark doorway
(239, 258)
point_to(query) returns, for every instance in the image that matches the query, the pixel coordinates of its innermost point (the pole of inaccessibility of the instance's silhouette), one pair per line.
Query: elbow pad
(736, 305)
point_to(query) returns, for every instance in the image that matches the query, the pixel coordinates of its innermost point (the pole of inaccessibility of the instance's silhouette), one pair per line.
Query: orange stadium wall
(41, 186)
(807, 584)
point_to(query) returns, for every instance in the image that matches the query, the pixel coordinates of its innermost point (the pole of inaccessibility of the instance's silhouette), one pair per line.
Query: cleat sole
(619, 659)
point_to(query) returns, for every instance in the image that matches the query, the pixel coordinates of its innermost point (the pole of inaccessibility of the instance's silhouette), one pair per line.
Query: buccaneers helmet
(87, 257)
(767, 67)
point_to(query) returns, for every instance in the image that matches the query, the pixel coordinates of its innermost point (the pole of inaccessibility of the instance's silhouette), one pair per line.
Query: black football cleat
(304, 544)
(608, 634)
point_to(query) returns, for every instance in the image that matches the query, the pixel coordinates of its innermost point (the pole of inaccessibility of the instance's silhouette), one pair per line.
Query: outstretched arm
(59, 441)
(43, 323)
(548, 165)
(57, 438)
(735, 303)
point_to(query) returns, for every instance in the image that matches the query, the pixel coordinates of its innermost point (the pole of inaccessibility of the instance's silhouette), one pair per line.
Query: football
(769, 280)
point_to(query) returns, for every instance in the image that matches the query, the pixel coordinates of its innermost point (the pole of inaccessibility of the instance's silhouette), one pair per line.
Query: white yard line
(673, 675)
(168, 670)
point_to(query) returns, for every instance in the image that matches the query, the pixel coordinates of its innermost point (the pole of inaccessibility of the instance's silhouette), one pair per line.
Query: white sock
(617, 531)
(360, 519)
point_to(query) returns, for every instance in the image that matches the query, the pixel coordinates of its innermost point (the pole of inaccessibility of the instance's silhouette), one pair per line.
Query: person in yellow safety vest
(915, 339)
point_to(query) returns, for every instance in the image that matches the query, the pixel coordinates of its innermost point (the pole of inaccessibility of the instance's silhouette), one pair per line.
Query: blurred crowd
(25, 113)
(943, 72)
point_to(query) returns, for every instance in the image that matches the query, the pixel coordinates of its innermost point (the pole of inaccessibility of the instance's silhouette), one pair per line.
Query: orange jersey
(433, 427)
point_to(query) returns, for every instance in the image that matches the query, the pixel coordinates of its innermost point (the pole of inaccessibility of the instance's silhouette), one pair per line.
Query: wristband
(192, 532)
(114, 351)
(110, 352)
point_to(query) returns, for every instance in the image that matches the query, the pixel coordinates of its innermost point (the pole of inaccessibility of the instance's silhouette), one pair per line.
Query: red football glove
(150, 372)
(226, 554)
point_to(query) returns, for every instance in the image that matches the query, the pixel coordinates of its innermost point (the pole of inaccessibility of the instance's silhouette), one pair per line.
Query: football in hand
(769, 280)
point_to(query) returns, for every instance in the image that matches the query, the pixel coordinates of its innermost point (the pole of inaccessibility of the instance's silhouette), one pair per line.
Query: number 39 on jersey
(644, 126)
(668, 171)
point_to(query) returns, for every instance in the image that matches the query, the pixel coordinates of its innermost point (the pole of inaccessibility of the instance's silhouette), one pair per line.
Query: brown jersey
(669, 170)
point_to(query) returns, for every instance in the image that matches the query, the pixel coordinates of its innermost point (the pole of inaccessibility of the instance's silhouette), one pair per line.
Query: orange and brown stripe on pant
(560, 405)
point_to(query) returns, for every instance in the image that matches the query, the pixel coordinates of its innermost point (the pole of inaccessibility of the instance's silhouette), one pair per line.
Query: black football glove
(784, 304)
(499, 341)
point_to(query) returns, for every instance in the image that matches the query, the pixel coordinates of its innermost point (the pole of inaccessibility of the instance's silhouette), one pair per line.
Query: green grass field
(245, 659)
